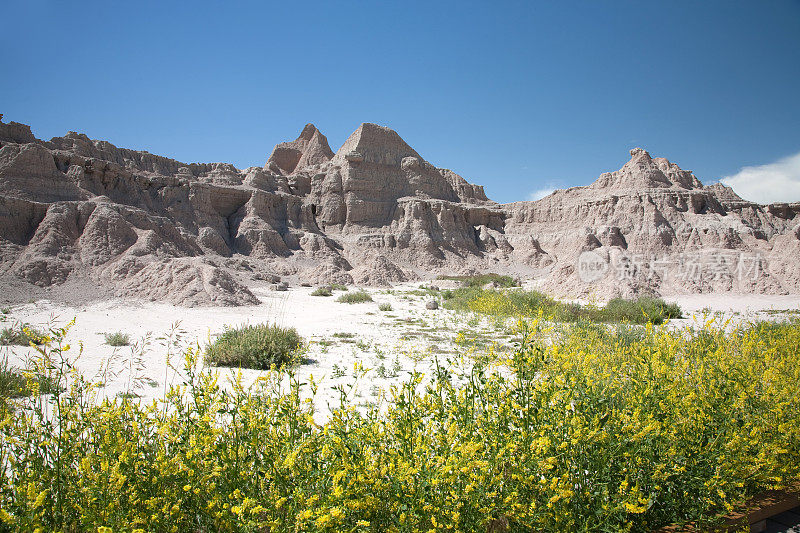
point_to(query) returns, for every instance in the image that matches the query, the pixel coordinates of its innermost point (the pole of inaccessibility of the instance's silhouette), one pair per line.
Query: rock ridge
(373, 212)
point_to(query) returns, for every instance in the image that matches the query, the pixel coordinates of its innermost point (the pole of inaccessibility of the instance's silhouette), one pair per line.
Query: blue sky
(516, 96)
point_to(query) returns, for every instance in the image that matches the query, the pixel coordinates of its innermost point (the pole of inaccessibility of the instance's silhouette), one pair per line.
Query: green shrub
(21, 335)
(258, 347)
(643, 309)
(531, 303)
(385, 306)
(12, 382)
(322, 291)
(355, 297)
(338, 287)
(480, 280)
(14, 385)
(118, 339)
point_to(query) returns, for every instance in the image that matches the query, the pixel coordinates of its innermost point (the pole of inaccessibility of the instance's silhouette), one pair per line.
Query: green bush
(14, 385)
(479, 280)
(639, 311)
(21, 335)
(531, 303)
(385, 306)
(355, 297)
(258, 347)
(322, 291)
(118, 339)
(338, 287)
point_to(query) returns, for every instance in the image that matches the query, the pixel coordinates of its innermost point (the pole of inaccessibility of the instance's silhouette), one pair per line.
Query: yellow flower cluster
(583, 428)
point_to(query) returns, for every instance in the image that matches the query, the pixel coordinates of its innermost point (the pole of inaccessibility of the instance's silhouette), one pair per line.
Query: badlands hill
(86, 218)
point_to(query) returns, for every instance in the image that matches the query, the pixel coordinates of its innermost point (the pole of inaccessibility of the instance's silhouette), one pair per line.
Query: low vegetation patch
(532, 303)
(481, 280)
(338, 287)
(385, 306)
(118, 338)
(21, 335)
(642, 310)
(322, 291)
(574, 431)
(355, 297)
(259, 347)
(13, 384)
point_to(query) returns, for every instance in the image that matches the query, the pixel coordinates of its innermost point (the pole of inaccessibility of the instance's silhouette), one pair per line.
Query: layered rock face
(374, 212)
(653, 227)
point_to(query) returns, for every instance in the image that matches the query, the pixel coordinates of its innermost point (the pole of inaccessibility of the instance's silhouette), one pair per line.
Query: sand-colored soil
(389, 343)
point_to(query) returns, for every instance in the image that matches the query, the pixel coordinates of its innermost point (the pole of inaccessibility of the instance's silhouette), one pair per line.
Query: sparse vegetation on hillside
(259, 346)
(355, 297)
(385, 306)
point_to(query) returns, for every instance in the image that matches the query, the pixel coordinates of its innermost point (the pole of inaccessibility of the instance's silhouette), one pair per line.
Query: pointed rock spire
(309, 149)
(645, 172)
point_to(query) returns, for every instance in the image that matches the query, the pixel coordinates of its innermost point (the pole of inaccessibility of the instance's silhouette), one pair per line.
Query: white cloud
(775, 182)
(540, 193)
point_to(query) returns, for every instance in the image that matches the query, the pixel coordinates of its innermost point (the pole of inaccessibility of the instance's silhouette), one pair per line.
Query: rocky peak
(15, 132)
(640, 154)
(309, 149)
(309, 130)
(375, 144)
(643, 172)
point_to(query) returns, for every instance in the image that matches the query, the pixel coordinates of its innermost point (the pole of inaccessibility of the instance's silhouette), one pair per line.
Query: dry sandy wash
(388, 343)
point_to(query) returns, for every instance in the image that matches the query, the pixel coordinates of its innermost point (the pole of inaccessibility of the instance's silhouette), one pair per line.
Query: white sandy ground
(390, 344)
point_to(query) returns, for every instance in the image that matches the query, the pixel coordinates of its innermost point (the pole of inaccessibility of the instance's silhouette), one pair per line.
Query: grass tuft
(21, 334)
(385, 306)
(259, 347)
(641, 310)
(13, 383)
(118, 338)
(355, 297)
(322, 291)
(480, 280)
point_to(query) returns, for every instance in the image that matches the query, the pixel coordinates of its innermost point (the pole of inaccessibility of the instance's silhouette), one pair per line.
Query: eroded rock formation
(375, 212)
